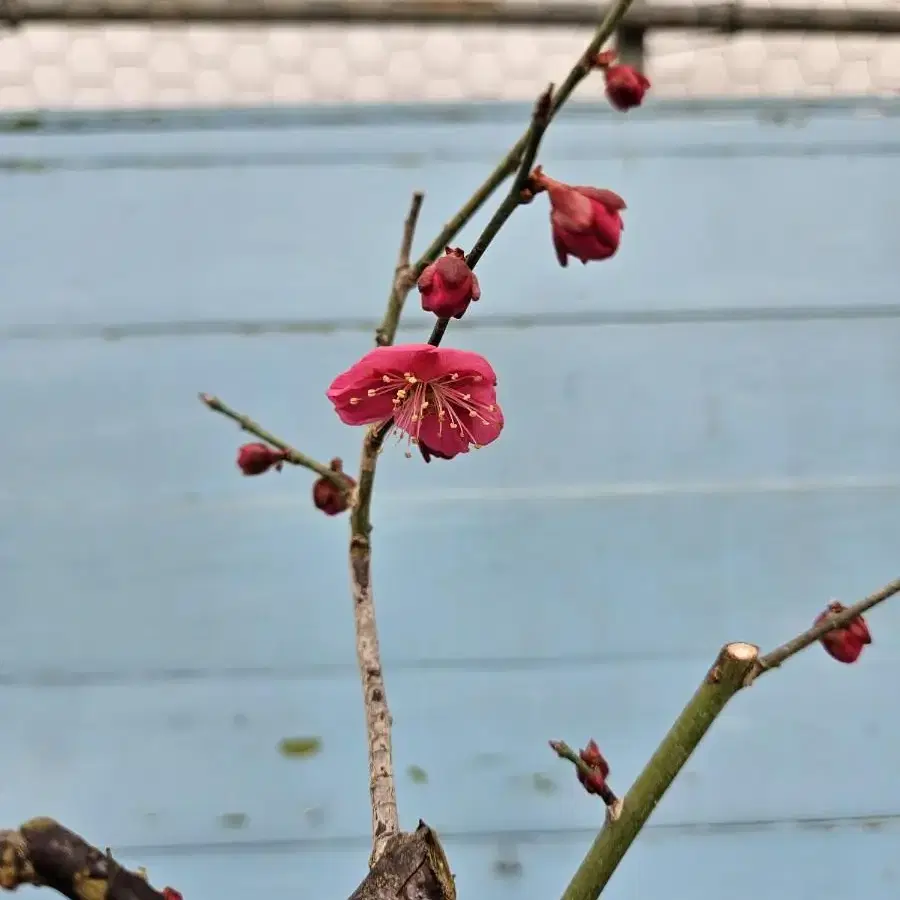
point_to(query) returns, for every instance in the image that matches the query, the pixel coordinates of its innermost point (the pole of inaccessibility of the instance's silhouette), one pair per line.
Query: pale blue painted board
(691, 499)
(302, 223)
(660, 488)
(806, 864)
(627, 404)
(182, 755)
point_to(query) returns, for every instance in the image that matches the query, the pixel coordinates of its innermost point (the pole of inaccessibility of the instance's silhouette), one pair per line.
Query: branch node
(614, 810)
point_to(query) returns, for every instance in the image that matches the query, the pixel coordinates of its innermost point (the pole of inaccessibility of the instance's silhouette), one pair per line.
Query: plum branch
(519, 161)
(382, 787)
(361, 397)
(737, 666)
(512, 161)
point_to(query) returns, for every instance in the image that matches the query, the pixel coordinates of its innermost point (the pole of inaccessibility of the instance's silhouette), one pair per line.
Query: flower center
(444, 398)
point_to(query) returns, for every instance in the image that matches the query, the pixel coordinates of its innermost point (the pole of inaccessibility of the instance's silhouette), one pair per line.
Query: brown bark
(412, 867)
(46, 854)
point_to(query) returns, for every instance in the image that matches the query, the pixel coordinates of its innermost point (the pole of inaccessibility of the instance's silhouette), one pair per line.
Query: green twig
(737, 666)
(292, 455)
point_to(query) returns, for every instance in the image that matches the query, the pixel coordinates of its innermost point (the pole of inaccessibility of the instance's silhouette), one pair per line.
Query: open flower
(448, 285)
(625, 86)
(586, 222)
(844, 644)
(444, 398)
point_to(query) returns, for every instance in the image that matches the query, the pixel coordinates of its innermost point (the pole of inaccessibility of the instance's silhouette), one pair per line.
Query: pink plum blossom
(441, 397)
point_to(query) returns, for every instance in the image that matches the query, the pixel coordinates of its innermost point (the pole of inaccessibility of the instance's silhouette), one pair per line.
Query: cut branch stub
(412, 867)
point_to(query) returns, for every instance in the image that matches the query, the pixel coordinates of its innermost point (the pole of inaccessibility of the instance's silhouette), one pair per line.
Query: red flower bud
(844, 644)
(595, 783)
(327, 496)
(448, 285)
(171, 894)
(254, 459)
(586, 222)
(625, 86)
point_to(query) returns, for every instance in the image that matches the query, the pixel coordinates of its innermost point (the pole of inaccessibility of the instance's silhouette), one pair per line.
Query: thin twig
(292, 455)
(735, 668)
(540, 119)
(512, 161)
(811, 635)
(387, 331)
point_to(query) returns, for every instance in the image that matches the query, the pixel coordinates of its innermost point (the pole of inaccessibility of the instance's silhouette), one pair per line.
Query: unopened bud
(255, 459)
(327, 496)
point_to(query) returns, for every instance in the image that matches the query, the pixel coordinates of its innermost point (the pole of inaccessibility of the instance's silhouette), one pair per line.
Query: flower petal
(449, 442)
(607, 227)
(367, 411)
(572, 210)
(467, 362)
(610, 199)
(560, 245)
(487, 431)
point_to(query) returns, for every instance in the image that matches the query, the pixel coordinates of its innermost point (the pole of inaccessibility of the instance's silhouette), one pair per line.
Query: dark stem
(540, 119)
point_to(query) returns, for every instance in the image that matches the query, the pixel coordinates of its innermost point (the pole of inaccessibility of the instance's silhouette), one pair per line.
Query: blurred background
(701, 440)
(66, 54)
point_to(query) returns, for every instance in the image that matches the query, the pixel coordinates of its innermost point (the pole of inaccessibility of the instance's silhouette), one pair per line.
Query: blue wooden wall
(702, 445)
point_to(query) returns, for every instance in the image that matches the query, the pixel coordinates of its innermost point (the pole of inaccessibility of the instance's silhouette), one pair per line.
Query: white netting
(139, 66)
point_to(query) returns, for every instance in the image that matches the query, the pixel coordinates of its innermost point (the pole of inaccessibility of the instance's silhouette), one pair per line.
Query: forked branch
(518, 162)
